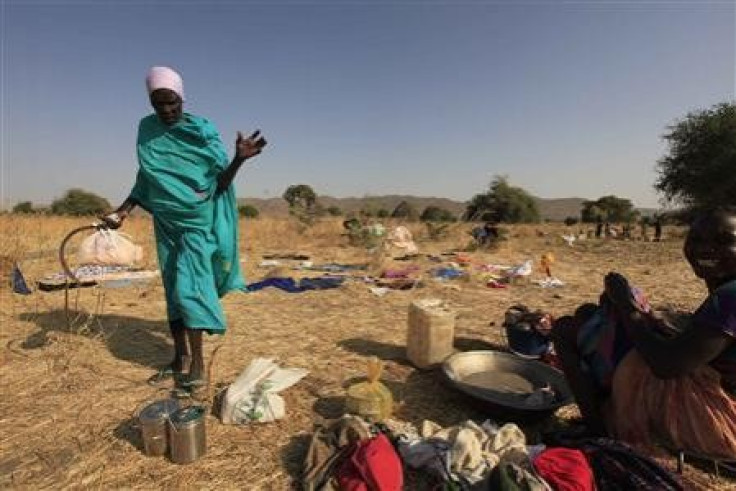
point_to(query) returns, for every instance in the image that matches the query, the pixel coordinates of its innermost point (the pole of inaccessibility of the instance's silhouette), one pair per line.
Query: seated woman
(641, 380)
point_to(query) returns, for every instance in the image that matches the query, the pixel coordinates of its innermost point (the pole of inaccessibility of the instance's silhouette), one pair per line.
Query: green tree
(23, 207)
(591, 213)
(303, 205)
(698, 169)
(383, 213)
(248, 211)
(405, 210)
(80, 202)
(503, 203)
(300, 195)
(570, 221)
(436, 214)
(610, 208)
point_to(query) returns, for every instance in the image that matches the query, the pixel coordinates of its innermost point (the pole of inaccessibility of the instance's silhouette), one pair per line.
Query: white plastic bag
(109, 248)
(253, 396)
(401, 237)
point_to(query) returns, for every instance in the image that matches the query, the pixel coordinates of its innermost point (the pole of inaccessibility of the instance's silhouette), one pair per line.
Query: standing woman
(185, 182)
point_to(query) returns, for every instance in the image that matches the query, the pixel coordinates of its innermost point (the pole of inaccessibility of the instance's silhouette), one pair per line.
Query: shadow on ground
(476, 344)
(128, 431)
(132, 339)
(330, 407)
(369, 347)
(397, 353)
(292, 458)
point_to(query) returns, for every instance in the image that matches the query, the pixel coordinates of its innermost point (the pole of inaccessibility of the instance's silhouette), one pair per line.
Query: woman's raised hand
(246, 148)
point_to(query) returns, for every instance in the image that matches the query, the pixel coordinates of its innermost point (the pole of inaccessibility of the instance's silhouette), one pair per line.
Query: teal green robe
(196, 228)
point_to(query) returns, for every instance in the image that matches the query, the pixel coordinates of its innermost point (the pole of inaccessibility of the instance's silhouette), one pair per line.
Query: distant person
(626, 232)
(638, 377)
(599, 228)
(658, 230)
(491, 232)
(184, 182)
(479, 235)
(644, 226)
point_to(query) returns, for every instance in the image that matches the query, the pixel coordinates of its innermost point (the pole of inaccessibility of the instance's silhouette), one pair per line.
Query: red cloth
(373, 465)
(565, 469)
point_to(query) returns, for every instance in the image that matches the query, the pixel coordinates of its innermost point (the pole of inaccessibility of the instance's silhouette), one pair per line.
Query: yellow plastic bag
(371, 400)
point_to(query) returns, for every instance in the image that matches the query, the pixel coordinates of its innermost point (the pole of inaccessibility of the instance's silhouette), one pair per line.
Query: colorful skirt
(692, 412)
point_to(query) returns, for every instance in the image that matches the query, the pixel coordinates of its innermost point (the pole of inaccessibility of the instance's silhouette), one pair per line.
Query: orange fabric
(691, 412)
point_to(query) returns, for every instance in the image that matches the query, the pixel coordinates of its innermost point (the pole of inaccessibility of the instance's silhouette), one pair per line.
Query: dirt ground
(69, 393)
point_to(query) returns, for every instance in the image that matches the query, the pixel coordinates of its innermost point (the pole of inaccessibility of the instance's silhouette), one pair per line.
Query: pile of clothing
(351, 454)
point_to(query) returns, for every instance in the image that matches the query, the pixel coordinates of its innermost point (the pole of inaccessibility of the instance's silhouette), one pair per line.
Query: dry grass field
(69, 393)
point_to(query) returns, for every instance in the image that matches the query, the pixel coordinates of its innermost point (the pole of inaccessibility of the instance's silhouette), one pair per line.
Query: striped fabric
(691, 412)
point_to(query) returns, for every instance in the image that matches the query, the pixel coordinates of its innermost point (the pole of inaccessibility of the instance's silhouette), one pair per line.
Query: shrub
(248, 211)
(79, 202)
(436, 214)
(23, 207)
(503, 203)
(334, 211)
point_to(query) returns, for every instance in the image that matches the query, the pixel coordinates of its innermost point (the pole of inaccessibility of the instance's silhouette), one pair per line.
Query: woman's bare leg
(196, 369)
(181, 349)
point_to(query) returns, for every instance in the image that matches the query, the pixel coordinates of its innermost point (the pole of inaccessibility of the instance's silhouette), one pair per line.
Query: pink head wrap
(161, 77)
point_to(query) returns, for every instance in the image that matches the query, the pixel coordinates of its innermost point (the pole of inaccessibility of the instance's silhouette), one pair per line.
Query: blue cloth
(448, 273)
(286, 284)
(19, 282)
(291, 286)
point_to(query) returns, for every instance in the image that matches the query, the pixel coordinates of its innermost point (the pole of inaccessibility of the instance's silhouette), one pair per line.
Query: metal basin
(503, 384)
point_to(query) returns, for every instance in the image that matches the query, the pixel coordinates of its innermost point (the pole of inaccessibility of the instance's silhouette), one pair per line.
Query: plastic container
(187, 437)
(152, 422)
(370, 400)
(431, 332)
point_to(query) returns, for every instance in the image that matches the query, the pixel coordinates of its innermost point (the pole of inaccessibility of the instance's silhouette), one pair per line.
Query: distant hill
(556, 209)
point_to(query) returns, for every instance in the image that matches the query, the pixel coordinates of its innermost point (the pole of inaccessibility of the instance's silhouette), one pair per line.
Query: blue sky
(365, 98)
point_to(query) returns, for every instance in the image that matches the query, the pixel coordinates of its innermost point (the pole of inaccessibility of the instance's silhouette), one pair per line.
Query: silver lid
(187, 415)
(159, 410)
